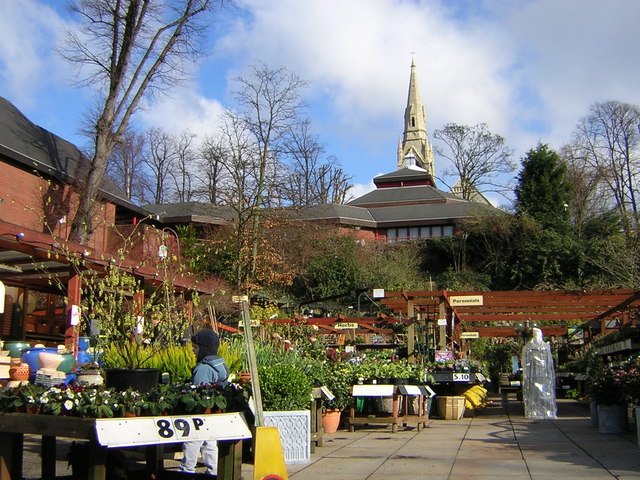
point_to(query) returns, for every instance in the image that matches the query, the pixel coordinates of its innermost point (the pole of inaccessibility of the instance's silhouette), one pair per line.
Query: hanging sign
(345, 325)
(466, 300)
(467, 335)
(74, 315)
(133, 431)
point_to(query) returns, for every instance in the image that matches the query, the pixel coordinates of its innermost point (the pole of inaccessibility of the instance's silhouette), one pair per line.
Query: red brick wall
(37, 204)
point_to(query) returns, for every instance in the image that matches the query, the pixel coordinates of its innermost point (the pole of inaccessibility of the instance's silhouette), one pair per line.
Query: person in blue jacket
(210, 369)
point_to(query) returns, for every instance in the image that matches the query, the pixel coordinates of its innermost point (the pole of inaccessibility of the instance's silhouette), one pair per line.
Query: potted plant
(607, 388)
(134, 323)
(338, 380)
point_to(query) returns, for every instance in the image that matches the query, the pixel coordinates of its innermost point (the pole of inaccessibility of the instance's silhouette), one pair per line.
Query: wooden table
(398, 394)
(13, 427)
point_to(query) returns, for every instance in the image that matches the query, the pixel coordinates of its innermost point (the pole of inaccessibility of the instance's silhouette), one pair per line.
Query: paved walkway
(499, 444)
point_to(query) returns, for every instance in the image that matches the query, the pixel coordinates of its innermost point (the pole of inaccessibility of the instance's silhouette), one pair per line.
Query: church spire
(415, 148)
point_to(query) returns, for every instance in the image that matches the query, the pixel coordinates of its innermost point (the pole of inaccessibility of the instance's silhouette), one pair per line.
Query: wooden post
(253, 365)
(411, 332)
(75, 298)
(442, 337)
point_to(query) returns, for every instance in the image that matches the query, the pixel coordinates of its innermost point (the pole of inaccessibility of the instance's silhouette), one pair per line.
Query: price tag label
(127, 432)
(461, 377)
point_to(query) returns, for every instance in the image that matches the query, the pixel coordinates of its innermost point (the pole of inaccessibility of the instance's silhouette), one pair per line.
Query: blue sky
(530, 69)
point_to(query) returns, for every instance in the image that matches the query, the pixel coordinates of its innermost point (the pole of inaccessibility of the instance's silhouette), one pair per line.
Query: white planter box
(295, 433)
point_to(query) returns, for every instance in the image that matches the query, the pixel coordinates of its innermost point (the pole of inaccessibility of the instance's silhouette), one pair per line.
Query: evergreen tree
(543, 192)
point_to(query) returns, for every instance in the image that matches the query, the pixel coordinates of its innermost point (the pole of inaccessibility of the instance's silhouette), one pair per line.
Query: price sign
(461, 377)
(128, 432)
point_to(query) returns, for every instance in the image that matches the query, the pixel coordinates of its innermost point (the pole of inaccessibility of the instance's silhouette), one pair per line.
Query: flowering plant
(607, 386)
(99, 402)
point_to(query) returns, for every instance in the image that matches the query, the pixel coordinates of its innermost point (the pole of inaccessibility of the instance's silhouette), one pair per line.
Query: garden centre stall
(102, 434)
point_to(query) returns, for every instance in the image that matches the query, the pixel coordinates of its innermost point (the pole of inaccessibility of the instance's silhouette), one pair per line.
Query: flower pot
(140, 379)
(19, 372)
(30, 356)
(89, 377)
(67, 363)
(49, 360)
(612, 418)
(15, 348)
(331, 421)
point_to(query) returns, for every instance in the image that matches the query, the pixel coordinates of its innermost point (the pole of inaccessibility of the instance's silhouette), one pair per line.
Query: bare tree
(312, 179)
(183, 164)
(160, 156)
(211, 169)
(477, 156)
(127, 167)
(268, 106)
(129, 48)
(608, 140)
(589, 196)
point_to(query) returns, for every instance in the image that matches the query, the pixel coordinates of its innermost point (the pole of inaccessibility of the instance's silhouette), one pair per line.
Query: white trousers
(190, 452)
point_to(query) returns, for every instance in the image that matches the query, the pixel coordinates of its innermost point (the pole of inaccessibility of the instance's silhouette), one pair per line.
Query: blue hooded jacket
(211, 369)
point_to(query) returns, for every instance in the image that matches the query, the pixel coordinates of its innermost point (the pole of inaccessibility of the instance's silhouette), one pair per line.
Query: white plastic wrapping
(539, 378)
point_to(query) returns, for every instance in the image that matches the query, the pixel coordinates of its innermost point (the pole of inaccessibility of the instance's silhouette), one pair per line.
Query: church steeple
(415, 148)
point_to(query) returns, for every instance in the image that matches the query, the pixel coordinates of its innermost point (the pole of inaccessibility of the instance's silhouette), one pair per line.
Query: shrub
(284, 386)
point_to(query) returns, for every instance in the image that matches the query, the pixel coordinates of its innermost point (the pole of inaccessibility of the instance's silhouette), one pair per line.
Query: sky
(530, 69)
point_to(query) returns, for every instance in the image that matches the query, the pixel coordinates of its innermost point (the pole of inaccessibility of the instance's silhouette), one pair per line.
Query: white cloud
(184, 110)
(359, 189)
(27, 61)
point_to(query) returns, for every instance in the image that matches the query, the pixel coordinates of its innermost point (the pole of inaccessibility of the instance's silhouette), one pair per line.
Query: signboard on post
(345, 325)
(467, 335)
(466, 300)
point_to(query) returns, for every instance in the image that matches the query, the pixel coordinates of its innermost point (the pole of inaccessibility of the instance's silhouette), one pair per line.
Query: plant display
(339, 379)
(607, 386)
(134, 324)
(284, 386)
(99, 402)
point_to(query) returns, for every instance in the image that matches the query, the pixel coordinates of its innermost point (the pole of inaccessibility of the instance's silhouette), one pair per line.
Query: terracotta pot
(19, 372)
(331, 421)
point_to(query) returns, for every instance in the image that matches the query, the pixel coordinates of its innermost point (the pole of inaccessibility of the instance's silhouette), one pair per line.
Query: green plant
(607, 386)
(135, 322)
(284, 386)
(176, 360)
(339, 379)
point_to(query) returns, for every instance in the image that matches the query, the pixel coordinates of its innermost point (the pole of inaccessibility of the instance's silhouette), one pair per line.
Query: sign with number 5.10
(133, 431)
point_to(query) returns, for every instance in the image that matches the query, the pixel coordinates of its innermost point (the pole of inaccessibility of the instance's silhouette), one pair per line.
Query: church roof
(398, 195)
(425, 214)
(412, 173)
(343, 213)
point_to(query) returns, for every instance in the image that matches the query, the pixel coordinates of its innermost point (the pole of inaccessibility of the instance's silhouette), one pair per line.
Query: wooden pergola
(471, 311)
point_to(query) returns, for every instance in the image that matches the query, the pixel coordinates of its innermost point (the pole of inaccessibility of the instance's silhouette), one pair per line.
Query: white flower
(68, 405)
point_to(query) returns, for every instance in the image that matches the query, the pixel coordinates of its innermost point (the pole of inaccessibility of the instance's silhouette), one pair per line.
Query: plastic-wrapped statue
(539, 378)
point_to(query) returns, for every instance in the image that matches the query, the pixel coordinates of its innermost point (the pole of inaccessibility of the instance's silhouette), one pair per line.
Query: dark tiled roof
(425, 214)
(192, 212)
(343, 213)
(407, 173)
(399, 195)
(37, 148)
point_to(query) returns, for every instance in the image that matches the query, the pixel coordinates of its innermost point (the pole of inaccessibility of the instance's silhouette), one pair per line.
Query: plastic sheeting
(539, 378)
